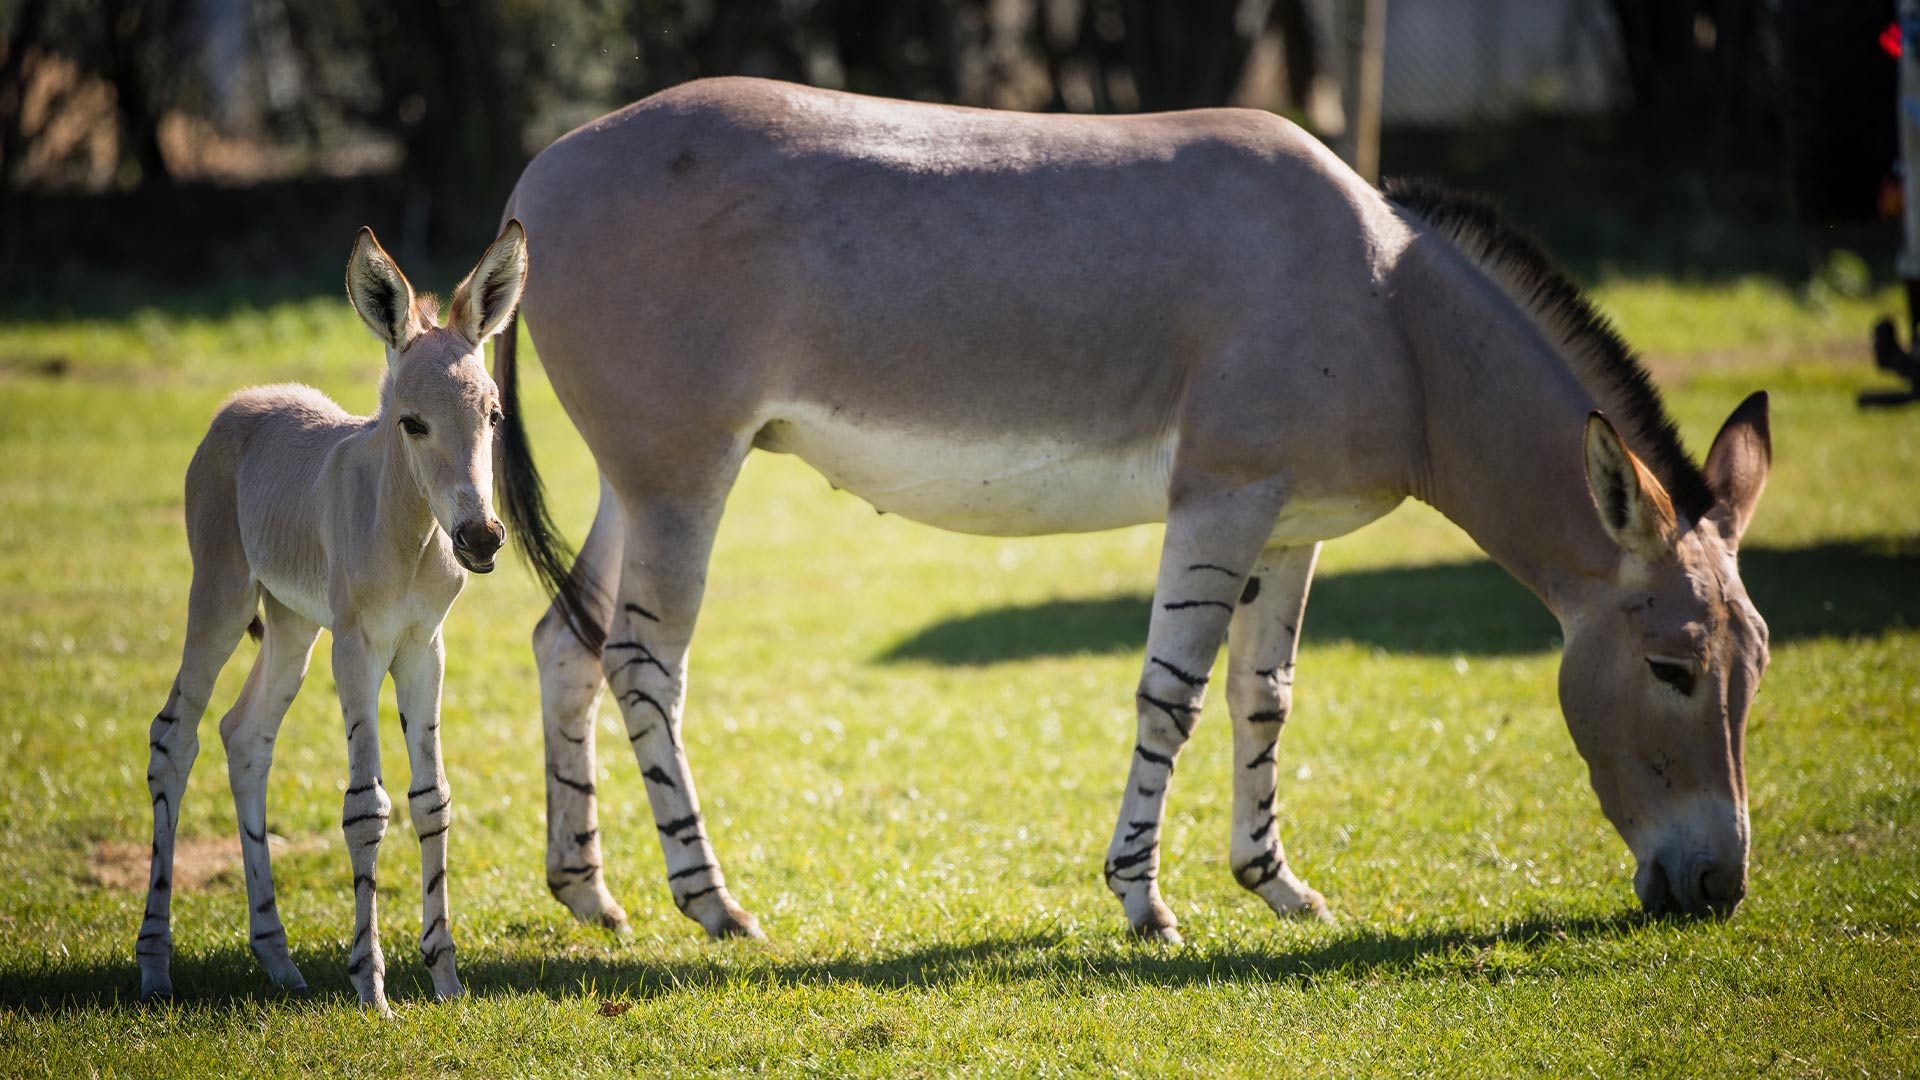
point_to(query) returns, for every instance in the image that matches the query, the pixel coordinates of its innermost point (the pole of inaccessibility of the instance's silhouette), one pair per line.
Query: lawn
(910, 746)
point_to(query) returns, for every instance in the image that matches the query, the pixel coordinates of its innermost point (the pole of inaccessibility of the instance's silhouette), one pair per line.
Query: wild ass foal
(363, 525)
(1016, 324)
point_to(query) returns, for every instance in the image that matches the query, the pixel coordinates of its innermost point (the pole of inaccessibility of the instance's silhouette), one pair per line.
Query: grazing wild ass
(1017, 324)
(363, 525)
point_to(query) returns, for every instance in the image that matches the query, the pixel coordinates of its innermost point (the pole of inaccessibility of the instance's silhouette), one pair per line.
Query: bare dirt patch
(196, 862)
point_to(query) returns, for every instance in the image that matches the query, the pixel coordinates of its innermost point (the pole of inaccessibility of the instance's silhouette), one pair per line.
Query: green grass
(910, 746)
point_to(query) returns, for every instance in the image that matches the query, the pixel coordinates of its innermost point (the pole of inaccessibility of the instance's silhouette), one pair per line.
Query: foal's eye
(1678, 676)
(413, 427)
(495, 417)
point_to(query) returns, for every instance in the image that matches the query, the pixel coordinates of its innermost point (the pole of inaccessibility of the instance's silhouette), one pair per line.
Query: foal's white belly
(1018, 486)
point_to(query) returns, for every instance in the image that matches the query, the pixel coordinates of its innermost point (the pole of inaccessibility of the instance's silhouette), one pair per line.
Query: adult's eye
(413, 427)
(1678, 676)
(496, 417)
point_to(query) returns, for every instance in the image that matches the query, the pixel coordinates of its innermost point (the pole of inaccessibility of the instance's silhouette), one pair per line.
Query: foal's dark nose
(477, 541)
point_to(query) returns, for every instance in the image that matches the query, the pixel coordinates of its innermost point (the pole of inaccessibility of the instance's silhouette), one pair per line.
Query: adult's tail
(524, 498)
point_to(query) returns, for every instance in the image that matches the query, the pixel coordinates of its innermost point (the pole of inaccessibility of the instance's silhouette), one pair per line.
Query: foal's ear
(1634, 508)
(380, 292)
(483, 302)
(1737, 465)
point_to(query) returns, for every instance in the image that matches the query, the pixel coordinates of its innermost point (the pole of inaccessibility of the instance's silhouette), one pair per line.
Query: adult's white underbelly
(1018, 486)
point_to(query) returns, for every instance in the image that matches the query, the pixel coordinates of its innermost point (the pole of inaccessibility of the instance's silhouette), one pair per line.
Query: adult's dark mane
(1591, 347)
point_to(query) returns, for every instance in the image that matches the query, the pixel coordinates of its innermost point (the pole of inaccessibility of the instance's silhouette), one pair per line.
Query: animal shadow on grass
(228, 976)
(1840, 590)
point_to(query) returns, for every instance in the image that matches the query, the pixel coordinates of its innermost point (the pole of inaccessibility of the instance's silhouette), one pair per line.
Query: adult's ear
(379, 292)
(483, 302)
(1634, 508)
(1738, 464)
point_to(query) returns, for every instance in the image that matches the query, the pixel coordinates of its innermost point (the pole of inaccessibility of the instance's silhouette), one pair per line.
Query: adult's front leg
(1261, 646)
(1212, 538)
(358, 667)
(662, 580)
(418, 670)
(570, 683)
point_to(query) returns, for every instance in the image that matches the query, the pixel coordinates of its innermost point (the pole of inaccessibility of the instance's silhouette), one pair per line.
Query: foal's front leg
(358, 669)
(418, 670)
(1211, 540)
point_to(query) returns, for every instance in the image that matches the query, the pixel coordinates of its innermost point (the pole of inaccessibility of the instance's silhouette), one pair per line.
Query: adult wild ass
(1018, 324)
(366, 526)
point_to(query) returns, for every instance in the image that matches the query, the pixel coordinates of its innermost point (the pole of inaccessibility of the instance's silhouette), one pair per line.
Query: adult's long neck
(1504, 423)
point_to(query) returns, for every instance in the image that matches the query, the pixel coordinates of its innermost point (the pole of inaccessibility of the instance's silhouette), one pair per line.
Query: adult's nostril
(1721, 889)
(1657, 897)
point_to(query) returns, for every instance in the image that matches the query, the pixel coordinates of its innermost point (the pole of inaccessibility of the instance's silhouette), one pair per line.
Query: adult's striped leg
(418, 670)
(570, 683)
(220, 603)
(248, 731)
(1211, 540)
(1261, 646)
(358, 670)
(668, 541)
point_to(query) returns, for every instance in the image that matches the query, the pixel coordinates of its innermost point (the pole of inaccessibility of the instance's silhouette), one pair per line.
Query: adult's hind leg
(249, 730)
(570, 682)
(220, 603)
(1261, 645)
(669, 536)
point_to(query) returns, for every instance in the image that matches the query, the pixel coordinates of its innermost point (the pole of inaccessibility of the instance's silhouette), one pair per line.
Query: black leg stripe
(1182, 605)
(426, 836)
(1184, 676)
(379, 815)
(681, 902)
(636, 698)
(674, 826)
(1152, 758)
(1217, 568)
(438, 877)
(584, 787)
(643, 612)
(690, 871)
(657, 775)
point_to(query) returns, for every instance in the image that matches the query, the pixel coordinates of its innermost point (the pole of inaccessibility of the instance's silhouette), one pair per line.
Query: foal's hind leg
(220, 603)
(1261, 645)
(249, 730)
(1212, 537)
(668, 540)
(570, 683)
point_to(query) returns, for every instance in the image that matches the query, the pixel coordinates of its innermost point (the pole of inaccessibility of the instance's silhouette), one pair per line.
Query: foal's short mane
(1592, 349)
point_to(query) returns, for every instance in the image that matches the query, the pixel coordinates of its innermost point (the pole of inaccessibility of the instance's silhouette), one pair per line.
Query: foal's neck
(1504, 418)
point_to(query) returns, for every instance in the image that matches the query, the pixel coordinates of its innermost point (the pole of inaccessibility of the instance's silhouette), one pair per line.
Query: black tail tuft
(524, 499)
(256, 629)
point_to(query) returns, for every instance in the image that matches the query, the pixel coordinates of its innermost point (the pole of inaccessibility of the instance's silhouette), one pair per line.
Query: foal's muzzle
(476, 542)
(1693, 887)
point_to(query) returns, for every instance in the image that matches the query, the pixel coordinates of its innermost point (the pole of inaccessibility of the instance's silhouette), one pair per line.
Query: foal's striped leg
(1261, 646)
(364, 812)
(645, 659)
(570, 683)
(249, 730)
(219, 605)
(417, 674)
(1209, 544)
